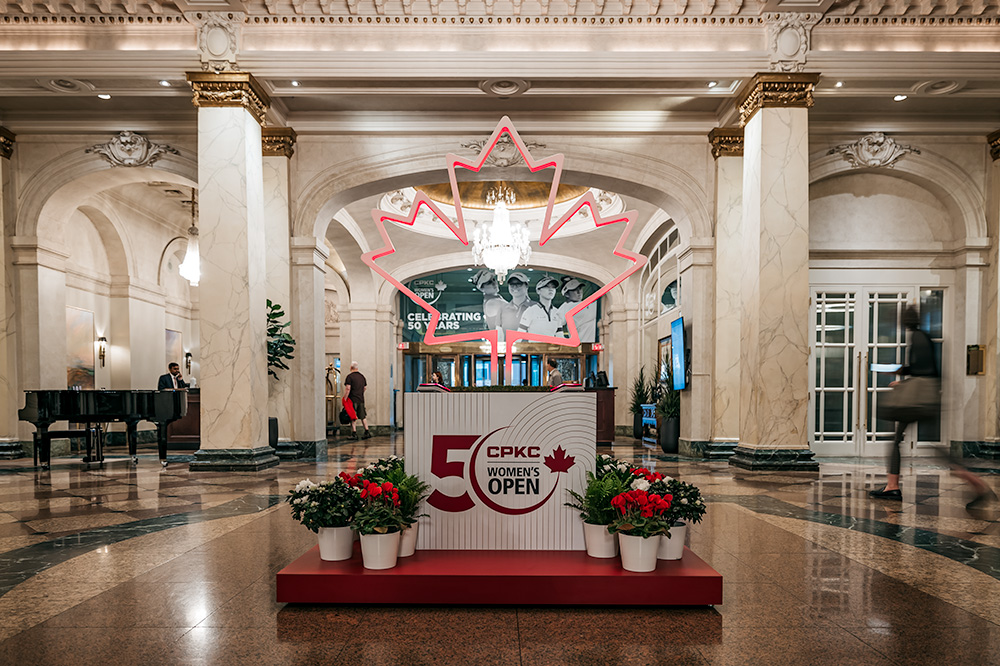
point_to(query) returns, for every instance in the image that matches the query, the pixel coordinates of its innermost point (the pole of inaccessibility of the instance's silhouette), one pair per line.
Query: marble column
(10, 398)
(774, 332)
(307, 378)
(231, 107)
(621, 350)
(697, 294)
(278, 145)
(727, 149)
(989, 447)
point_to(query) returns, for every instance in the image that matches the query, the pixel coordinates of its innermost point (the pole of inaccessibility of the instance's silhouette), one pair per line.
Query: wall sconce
(102, 348)
(187, 361)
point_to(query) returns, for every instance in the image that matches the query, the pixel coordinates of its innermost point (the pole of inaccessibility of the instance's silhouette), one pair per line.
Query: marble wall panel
(232, 291)
(9, 395)
(698, 304)
(729, 258)
(991, 313)
(276, 234)
(776, 303)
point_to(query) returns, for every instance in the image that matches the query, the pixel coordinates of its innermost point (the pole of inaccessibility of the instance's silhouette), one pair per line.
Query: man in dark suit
(172, 380)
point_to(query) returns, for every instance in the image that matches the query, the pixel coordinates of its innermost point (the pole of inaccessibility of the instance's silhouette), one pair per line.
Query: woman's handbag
(912, 399)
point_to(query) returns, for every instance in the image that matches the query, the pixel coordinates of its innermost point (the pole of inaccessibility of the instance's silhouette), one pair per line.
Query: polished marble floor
(134, 565)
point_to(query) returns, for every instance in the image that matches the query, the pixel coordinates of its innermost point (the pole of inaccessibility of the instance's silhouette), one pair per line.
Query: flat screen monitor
(677, 364)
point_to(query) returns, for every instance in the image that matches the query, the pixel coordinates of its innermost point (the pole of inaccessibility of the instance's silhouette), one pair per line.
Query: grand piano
(43, 408)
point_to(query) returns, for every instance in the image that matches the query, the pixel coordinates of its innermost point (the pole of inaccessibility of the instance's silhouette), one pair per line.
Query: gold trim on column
(229, 89)
(278, 141)
(768, 90)
(726, 142)
(994, 141)
(6, 142)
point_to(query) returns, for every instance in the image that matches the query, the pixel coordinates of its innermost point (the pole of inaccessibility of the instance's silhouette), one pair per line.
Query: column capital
(6, 142)
(278, 141)
(229, 89)
(726, 142)
(994, 141)
(767, 90)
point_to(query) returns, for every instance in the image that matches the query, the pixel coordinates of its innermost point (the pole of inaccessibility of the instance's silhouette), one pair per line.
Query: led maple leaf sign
(458, 228)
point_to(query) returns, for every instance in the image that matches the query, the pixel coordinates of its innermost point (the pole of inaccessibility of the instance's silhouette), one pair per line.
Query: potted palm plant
(639, 395)
(327, 509)
(668, 412)
(280, 345)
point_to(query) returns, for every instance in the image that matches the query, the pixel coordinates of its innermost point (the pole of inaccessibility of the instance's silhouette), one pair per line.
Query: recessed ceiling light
(838, 84)
(295, 83)
(164, 83)
(104, 96)
(899, 98)
(712, 84)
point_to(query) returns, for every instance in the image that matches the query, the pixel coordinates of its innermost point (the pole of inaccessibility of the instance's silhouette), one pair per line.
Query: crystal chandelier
(190, 268)
(501, 245)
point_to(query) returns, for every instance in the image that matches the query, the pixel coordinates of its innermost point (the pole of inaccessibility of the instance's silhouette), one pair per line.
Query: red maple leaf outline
(559, 461)
(638, 261)
(505, 126)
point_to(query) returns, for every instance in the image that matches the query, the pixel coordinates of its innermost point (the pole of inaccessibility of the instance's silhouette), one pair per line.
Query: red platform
(509, 577)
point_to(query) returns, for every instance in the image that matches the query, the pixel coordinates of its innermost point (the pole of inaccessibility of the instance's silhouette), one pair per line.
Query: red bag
(349, 408)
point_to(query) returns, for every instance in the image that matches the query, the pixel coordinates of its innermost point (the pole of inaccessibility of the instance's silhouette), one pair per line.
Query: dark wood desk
(185, 433)
(605, 414)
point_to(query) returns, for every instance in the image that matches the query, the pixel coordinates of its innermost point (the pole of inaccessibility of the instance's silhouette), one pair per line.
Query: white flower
(304, 484)
(314, 504)
(622, 467)
(605, 456)
(640, 484)
(393, 458)
(667, 478)
(684, 500)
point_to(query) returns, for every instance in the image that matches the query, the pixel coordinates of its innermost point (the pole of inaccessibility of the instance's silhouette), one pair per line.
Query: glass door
(855, 327)
(448, 367)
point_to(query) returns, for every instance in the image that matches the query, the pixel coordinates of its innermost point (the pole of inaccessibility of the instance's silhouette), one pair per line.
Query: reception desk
(185, 434)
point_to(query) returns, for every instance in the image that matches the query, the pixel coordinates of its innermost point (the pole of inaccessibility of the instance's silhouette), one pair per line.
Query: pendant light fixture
(190, 269)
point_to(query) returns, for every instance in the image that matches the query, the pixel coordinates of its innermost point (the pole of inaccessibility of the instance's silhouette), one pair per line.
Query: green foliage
(330, 504)
(687, 504)
(380, 470)
(641, 526)
(280, 344)
(619, 468)
(668, 405)
(595, 503)
(379, 512)
(412, 491)
(640, 393)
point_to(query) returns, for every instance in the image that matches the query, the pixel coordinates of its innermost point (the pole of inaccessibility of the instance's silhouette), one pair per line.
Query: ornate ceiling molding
(788, 39)
(772, 90)
(994, 141)
(129, 149)
(278, 141)
(726, 142)
(873, 150)
(6, 143)
(229, 89)
(220, 37)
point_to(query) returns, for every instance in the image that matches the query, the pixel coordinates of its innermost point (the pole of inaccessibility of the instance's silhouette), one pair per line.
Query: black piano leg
(133, 441)
(161, 442)
(44, 446)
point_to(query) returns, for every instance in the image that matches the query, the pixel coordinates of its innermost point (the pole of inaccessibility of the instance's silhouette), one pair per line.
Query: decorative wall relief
(332, 315)
(220, 36)
(873, 150)
(788, 39)
(129, 149)
(504, 154)
(79, 348)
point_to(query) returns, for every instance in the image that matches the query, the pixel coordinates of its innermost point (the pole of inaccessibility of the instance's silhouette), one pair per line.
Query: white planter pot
(672, 547)
(638, 554)
(335, 543)
(600, 542)
(379, 551)
(408, 540)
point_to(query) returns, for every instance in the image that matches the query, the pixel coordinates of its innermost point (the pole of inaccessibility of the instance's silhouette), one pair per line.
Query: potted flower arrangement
(327, 509)
(687, 506)
(639, 524)
(379, 522)
(597, 513)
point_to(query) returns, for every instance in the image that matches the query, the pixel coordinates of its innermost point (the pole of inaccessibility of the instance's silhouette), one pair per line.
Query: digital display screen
(677, 364)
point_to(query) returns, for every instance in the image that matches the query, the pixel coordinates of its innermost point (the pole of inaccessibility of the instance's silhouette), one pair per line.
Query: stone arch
(59, 186)
(938, 175)
(176, 244)
(641, 176)
(119, 259)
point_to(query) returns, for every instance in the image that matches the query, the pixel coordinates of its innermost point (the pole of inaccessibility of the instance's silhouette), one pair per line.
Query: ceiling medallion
(873, 150)
(129, 149)
(504, 88)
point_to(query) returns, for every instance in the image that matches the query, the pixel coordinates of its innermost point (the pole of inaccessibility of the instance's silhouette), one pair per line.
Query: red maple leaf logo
(549, 229)
(559, 461)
